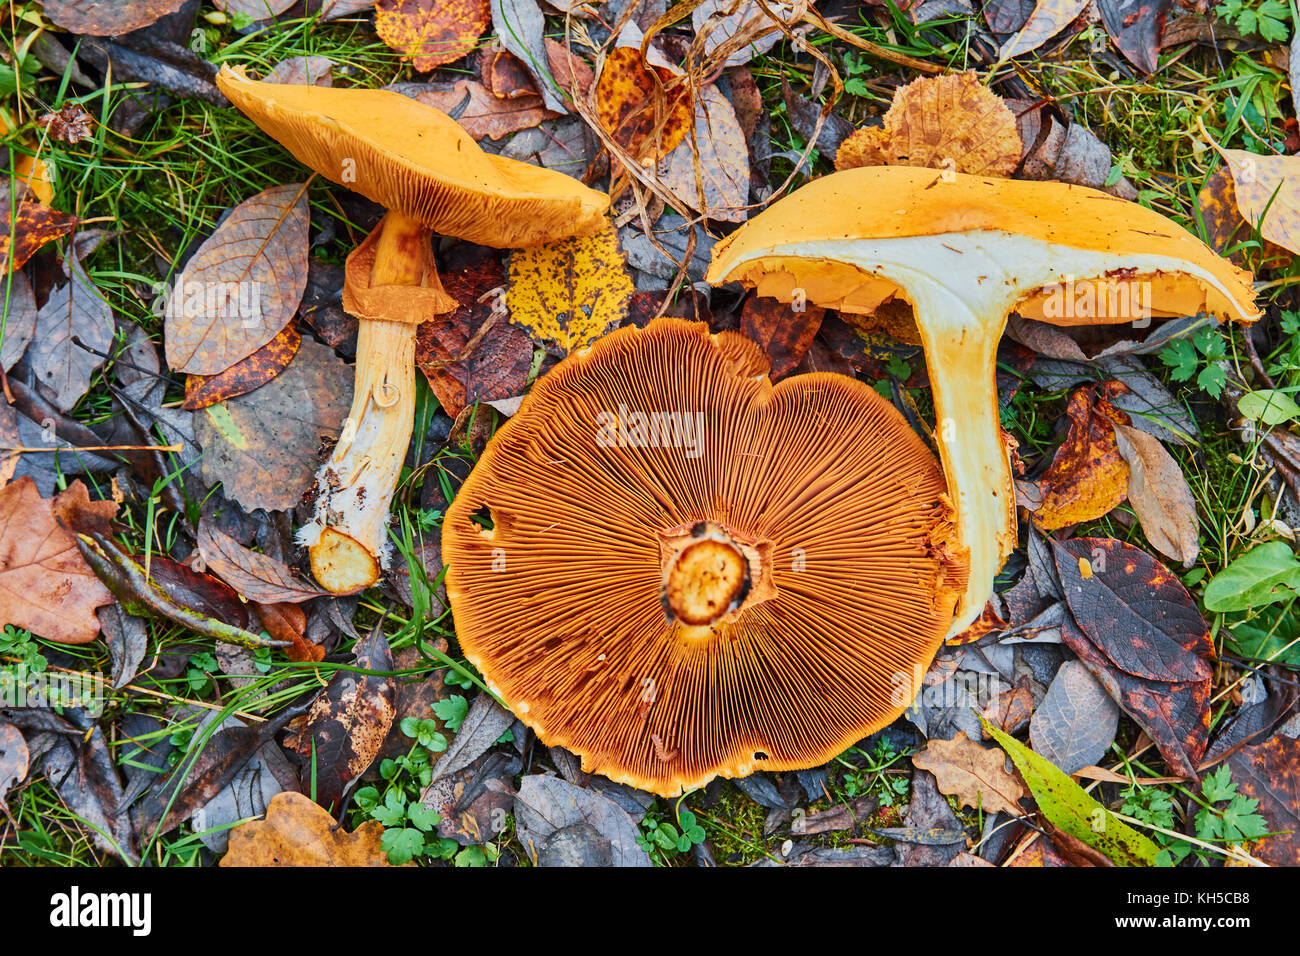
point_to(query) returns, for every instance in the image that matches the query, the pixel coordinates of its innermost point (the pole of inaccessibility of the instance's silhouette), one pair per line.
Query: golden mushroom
(433, 179)
(677, 570)
(966, 251)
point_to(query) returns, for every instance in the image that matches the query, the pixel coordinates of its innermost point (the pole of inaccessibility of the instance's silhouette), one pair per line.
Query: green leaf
(401, 845)
(422, 817)
(1263, 575)
(1212, 379)
(1180, 356)
(1268, 405)
(452, 711)
(1071, 810)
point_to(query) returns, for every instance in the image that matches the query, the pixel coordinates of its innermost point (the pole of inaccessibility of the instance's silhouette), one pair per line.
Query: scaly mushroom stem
(356, 485)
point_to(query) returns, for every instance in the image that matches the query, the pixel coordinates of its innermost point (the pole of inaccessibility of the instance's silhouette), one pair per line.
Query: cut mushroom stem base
(709, 575)
(348, 538)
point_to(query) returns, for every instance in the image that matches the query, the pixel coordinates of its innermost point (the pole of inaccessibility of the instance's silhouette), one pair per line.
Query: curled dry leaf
(1088, 476)
(74, 310)
(709, 169)
(976, 775)
(1158, 492)
(570, 292)
(1049, 18)
(246, 374)
(242, 286)
(71, 124)
(432, 33)
(45, 585)
(1268, 194)
(297, 832)
(953, 122)
(262, 446)
(258, 577)
(107, 19)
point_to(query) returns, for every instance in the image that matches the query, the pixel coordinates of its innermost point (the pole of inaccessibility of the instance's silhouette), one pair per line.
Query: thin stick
(22, 450)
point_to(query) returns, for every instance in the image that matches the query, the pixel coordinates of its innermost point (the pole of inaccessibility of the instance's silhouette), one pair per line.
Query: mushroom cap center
(709, 574)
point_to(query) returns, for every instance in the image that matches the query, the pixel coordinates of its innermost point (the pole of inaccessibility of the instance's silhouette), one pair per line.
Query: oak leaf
(977, 776)
(297, 832)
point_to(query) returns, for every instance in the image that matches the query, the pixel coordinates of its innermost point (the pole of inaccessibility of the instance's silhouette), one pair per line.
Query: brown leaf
(297, 832)
(506, 77)
(709, 169)
(478, 111)
(784, 335)
(19, 317)
(287, 622)
(258, 577)
(975, 775)
(1270, 773)
(71, 124)
(497, 365)
(432, 33)
(262, 446)
(1049, 18)
(246, 374)
(45, 585)
(1159, 495)
(941, 122)
(243, 284)
(1136, 27)
(348, 722)
(13, 761)
(1225, 227)
(1075, 724)
(1088, 476)
(303, 71)
(107, 19)
(644, 107)
(74, 310)
(1011, 709)
(1268, 194)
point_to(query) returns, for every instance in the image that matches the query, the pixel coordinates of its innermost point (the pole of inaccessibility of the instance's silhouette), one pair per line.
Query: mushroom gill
(677, 570)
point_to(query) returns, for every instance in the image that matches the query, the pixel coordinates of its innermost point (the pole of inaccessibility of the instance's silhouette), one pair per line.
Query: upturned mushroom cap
(417, 160)
(677, 570)
(829, 239)
(965, 251)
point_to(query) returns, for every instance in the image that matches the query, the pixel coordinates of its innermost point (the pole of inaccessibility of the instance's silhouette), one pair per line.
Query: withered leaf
(45, 585)
(1136, 27)
(547, 804)
(255, 9)
(1270, 773)
(262, 446)
(1088, 476)
(288, 622)
(1158, 492)
(1049, 18)
(19, 313)
(13, 761)
(976, 775)
(243, 284)
(498, 363)
(1268, 194)
(482, 727)
(297, 832)
(246, 374)
(785, 335)
(72, 310)
(1225, 227)
(303, 71)
(646, 108)
(107, 19)
(952, 121)
(431, 33)
(475, 108)
(258, 577)
(346, 725)
(520, 28)
(82, 770)
(570, 292)
(709, 169)
(1074, 725)
(720, 20)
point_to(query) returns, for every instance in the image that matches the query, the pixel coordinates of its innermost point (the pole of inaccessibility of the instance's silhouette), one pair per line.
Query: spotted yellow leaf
(569, 293)
(1268, 194)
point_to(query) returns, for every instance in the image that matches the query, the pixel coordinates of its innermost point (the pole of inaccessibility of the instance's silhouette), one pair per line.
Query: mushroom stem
(355, 487)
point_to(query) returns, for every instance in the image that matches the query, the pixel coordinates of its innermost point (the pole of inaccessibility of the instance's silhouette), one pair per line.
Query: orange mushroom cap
(690, 572)
(415, 159)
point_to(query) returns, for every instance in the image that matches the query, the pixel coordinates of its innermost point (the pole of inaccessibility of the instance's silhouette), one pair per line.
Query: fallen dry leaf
(784, 335)
(644, 107)
(263, 446)
(46, 587)
(288, 622)
(34, 225)
(71, 124)
(709, 169)
(303, 71)
(481, 114)
(75, 310)
(1268, 194)
(258, 577)
(1075, 724)
(19, 315)
(1158, 492)
(13, 761)
(297, 832)
(242, 286)
(107, 19)
(1270, 773)
(432, 33)
(571, 292)
(1225, 227)
(976, 775)
(1136, 26)
(1088, 476)
(1049, 18)
(953, 122)
(246, 374)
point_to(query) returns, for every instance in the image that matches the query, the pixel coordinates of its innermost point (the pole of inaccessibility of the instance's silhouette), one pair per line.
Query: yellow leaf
(431, 33)
(1268, 194)
(569, 292)
(297, 832)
